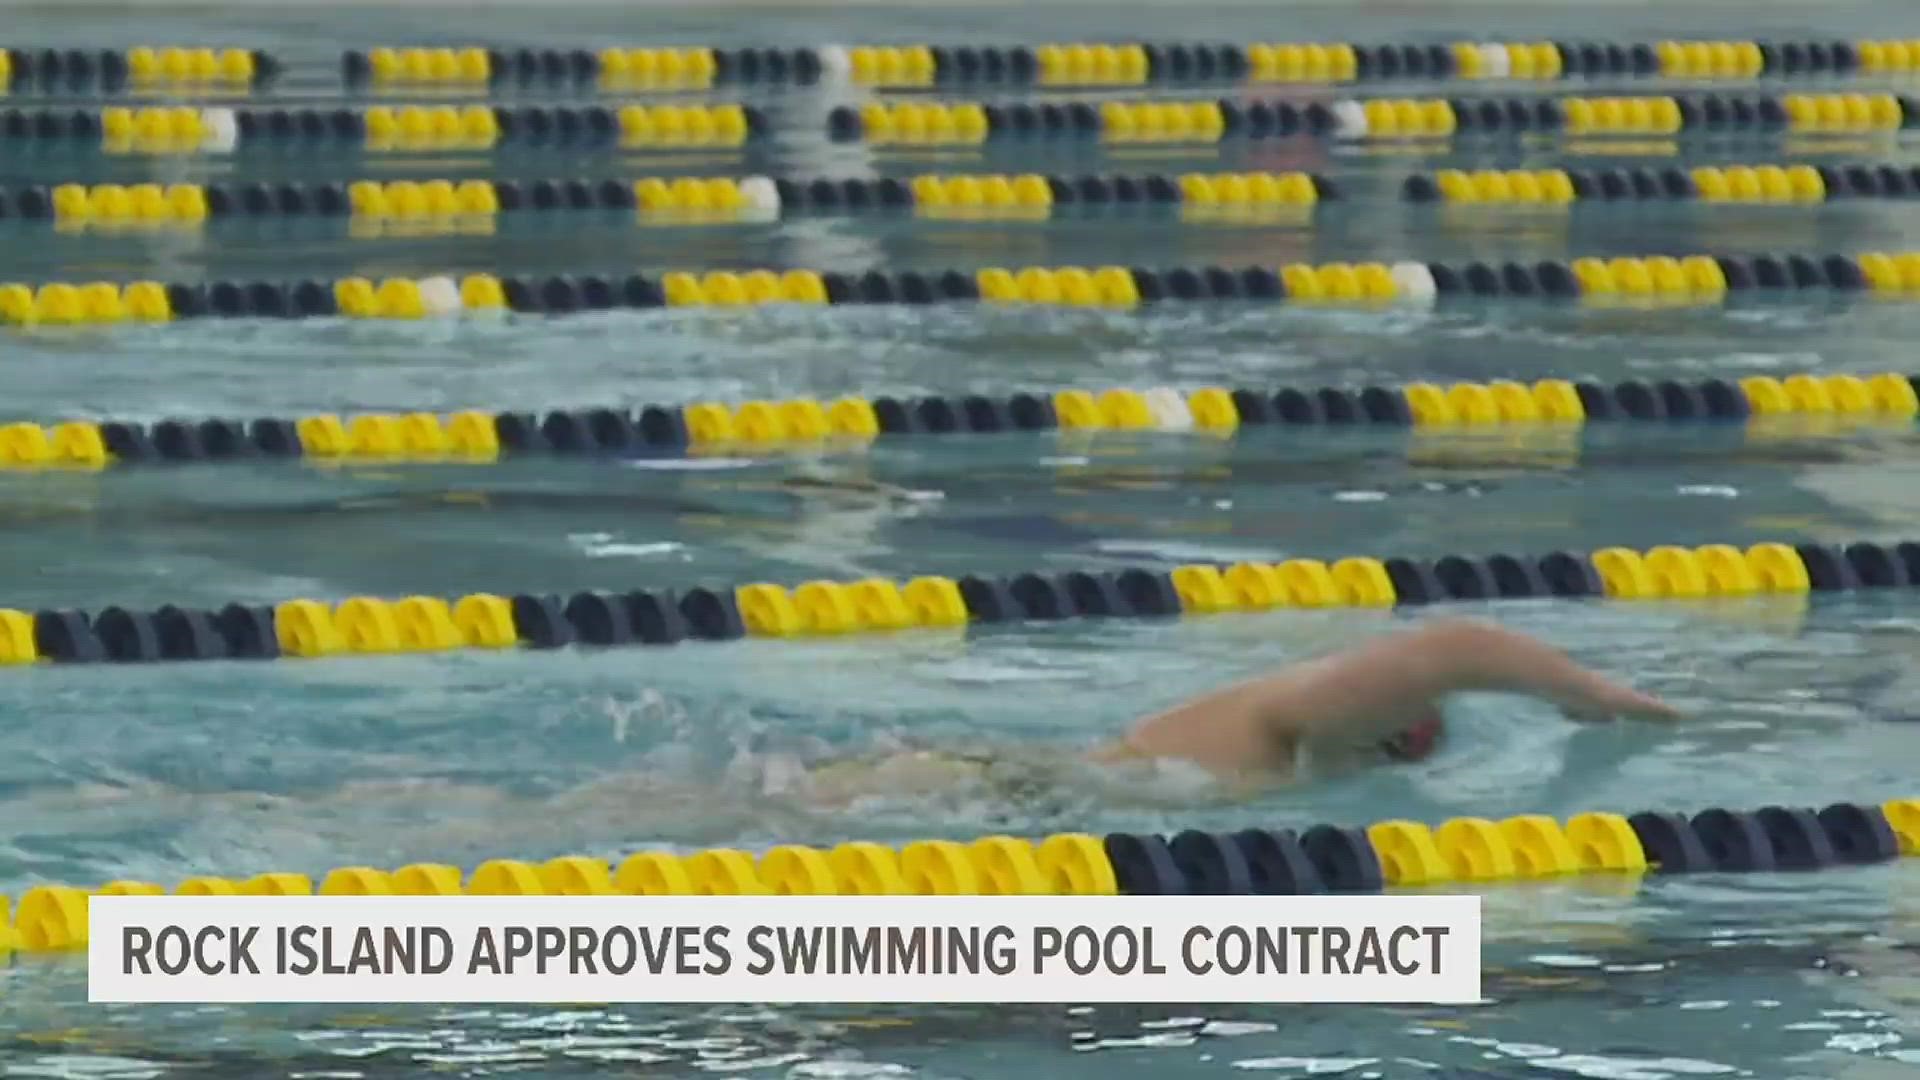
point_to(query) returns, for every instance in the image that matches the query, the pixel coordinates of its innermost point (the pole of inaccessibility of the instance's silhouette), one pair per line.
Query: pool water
(157, 773)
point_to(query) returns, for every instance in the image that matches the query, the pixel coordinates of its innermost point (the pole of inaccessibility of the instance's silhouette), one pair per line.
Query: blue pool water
(156, 773)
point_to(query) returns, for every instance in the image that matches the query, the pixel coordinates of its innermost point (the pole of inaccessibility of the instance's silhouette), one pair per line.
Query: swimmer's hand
(1612, 702)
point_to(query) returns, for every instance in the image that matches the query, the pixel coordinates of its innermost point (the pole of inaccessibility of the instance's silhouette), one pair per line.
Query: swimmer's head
(1417, 742)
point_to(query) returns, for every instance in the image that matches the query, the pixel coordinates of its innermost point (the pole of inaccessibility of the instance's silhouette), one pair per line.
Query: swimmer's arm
(1483, 656)
(1373, 691)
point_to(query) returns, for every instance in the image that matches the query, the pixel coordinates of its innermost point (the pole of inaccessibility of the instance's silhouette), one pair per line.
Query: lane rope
(52, 72)
(683, 200)
(366, 625)
(1464, 851)
(1775, 184)
(1115, 122)
(572, 129)
(1886, 399)
(1030, 196)
(1112, 64)
(219, 130)
(1631, 281)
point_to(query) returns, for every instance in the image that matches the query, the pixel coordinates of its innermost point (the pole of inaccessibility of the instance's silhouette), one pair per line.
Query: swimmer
(1381, 697)
(1374, 702)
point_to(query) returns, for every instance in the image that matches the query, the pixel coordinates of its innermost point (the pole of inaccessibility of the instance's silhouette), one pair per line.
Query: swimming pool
(157, 772)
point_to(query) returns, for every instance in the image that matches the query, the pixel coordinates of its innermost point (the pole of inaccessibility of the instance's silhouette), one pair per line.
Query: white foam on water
(1565, 960)
(1527, 1050)
(1226, 1029)
(689, 464)
(1612, 1068)
(846, 1070)
(630, 551)
(1310, 1066)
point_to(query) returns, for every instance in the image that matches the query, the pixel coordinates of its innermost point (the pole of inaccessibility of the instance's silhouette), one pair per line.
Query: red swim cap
(1417, 742)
